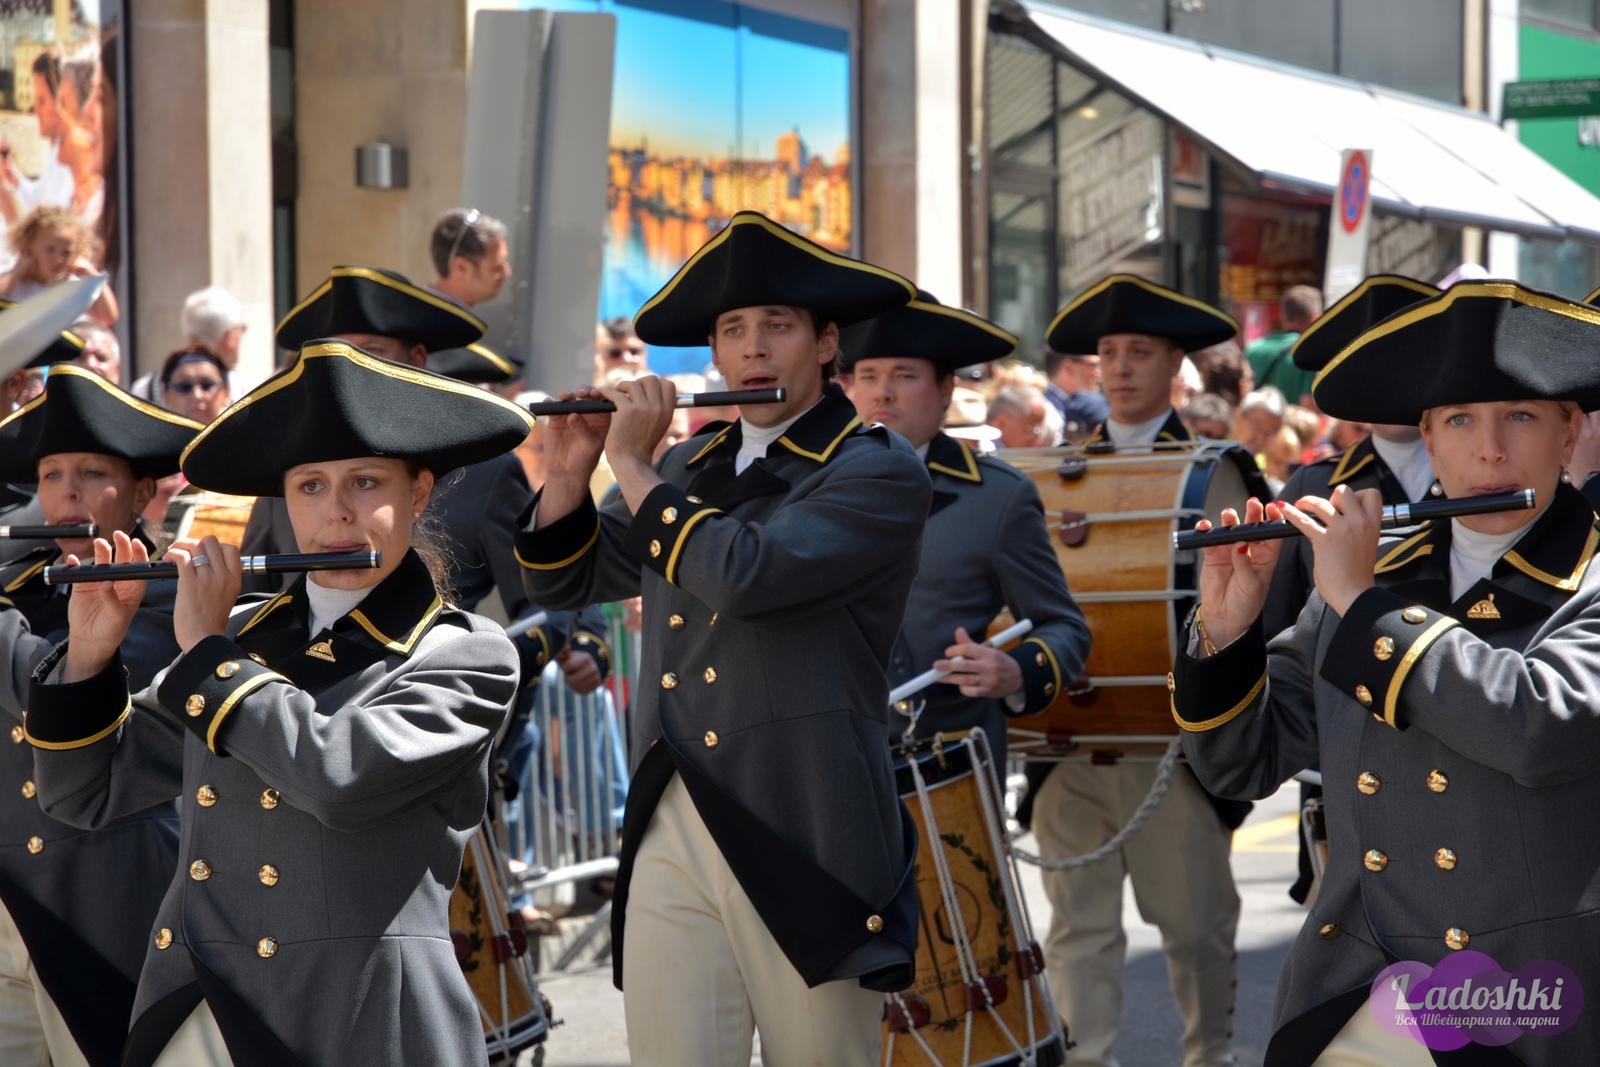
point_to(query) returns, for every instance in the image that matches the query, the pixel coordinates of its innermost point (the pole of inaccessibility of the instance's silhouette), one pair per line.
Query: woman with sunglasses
(194, 383)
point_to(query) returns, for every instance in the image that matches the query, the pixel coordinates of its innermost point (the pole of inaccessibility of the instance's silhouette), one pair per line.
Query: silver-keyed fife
(157, 569)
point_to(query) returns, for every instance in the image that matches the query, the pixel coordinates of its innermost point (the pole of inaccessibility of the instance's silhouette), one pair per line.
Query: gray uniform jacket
(1359, 467)
(83, 902)
(1460, 749)
(328, 783)
(478, 506)
(771, 602)
(986, 548)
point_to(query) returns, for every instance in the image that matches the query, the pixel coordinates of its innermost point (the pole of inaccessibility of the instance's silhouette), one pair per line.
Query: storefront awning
(1287, 126)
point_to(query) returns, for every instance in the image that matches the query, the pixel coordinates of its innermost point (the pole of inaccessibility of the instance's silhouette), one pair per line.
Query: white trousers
(1363, 1042)
(32, 1031)
(702, 974)
(1182, 883)
(198, 1043)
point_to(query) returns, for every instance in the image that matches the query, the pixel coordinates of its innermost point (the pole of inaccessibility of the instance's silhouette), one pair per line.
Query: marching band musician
(329, 745)
(985, 547)
(1140, 331)
(1393, 460)
(766, 869)
(18, 503)
(77, 905)
(382, 313)
(1446, 680)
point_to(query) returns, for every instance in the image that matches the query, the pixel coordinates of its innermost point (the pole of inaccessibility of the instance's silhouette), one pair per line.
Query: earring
(1436, 489)
(1566, 476)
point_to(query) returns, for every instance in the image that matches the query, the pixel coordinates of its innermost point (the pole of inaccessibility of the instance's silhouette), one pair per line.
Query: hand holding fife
(644, 412)
(1234, 578)
(209, 578)
(1343, 531)
(572, 447)
(980, 670)
(99, 613)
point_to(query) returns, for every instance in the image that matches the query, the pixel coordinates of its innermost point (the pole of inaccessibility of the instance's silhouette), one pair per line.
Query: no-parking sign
(1352, 218)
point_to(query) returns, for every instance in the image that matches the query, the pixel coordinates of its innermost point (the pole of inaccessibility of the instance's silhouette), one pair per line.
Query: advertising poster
(60, 83)
(717, 107)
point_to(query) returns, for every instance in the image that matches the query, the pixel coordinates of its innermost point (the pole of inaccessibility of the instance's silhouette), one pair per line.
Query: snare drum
(1111, 520)
(980, 996)
(492, 948)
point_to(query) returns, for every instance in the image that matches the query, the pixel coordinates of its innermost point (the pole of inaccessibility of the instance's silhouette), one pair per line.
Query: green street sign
(1551, 99)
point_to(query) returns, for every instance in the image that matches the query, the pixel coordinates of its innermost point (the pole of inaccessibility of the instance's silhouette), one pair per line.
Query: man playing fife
(766, 879)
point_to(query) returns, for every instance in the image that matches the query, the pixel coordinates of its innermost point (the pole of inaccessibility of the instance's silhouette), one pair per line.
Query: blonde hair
(42, 218)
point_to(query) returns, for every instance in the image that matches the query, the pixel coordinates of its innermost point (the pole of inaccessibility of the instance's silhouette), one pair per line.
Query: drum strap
(1158, 789)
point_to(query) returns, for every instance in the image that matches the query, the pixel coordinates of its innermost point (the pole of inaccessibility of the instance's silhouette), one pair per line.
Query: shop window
(1579, 13)
(1565, 267)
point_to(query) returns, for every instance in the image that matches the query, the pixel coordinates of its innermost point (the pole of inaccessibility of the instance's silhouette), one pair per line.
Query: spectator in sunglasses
(618, 352)
(194, 383)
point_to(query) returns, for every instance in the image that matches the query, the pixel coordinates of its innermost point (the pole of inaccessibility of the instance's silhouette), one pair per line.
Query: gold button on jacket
(1368, 783)
(1438, 781)
(268, 874)
(1330, 931)
(269, 798)
(669, 516)
(1364, 695)
(163, 938)
(676, 622)
(1383, 648)
(875, 924)
(228, 670)
(29, 790)
(712, 740)
(205, 796)
(711, 675)
(669, 681)
(17, 734)
(1457, 938)
(1414, 615)
(655, 549)
(1375, 860)
(194, 705)
(199, 870)
(36, 845)
(267, 947)
(1445, 859)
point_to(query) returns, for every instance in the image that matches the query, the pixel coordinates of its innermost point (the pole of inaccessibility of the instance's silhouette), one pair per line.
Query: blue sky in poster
(708, 80)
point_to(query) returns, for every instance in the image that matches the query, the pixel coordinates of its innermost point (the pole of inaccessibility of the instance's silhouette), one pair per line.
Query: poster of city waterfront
(706, 121)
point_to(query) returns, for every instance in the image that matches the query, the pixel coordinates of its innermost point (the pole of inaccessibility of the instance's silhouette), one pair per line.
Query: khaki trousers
(702, 974)
(198, 1043)
(32, 1031)
(1181, 882)
(1365, 1043)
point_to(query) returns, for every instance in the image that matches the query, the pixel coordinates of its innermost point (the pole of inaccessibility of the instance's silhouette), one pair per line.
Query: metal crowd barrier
(566, 822)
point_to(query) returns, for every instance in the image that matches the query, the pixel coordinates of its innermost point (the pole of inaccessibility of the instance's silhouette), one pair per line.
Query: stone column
(202, 170)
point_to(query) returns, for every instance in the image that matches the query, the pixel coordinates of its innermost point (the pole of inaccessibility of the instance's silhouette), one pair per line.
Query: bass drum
(493, 950)
(980, 996)
(1111, 518)
(198, 513)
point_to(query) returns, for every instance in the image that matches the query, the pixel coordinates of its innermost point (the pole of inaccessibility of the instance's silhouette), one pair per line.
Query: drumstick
(526, 623)
(51, 533)
(157, 569)
(927, 678)
(1397, 515)
(599, 406)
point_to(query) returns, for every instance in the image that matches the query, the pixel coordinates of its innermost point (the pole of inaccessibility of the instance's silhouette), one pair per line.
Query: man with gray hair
(470, 253)
(213, 319)
(1023, 417)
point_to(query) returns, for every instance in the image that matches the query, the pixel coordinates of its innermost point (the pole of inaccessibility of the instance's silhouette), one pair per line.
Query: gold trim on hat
(72, 370)
(381, 278)
(1399, 281)
(1134, 279)
(967, 317)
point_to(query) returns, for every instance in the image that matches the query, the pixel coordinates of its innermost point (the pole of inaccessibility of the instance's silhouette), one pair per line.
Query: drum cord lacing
(1158, 789)
(499, 1033)
(965, 957)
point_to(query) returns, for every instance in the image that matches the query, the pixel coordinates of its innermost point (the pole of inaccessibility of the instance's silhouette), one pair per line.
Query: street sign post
(1349, 226)
(1562, 98)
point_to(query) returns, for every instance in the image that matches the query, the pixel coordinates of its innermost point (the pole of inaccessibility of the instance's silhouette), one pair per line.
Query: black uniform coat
(1468, 726)
(985, 548)
(1359, 467)
(82, 901)
(328, 784)
(771, 603)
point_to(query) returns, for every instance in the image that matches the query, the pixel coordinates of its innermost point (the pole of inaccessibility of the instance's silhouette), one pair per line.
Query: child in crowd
(49, 242)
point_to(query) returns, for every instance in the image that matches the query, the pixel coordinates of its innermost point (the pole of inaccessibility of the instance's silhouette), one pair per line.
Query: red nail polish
(1243, 548)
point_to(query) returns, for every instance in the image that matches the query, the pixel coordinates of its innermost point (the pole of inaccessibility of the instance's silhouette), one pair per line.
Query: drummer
(1178, 861)
(1393, 460)
(329, 744)
(985, 547)
(1446, 680)
(77, 907)
(766, 870)
(381, 312)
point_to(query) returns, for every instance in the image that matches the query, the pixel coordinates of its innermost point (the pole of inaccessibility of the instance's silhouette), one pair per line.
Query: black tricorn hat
(368, 300)
(755, 261)
(1126, 303)
(1484, 341)
(338, 402)
(949, 338)
(65, 349)
(476, 363)
(1592, 298)
(79, 411)
(1368, 304)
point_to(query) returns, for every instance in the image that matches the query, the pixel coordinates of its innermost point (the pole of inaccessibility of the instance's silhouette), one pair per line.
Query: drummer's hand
(979, 670)
(207, 593)
(572, 447)
(645, 408)
(1343, 531)
(581, 671)
(99, 613)
(1234, 578)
